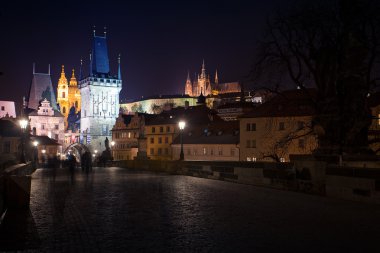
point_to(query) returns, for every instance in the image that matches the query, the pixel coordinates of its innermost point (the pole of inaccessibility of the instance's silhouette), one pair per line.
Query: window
(3, 108)
(159, 140)
(281, 126)
(129, 135)
(166, 151)
(56, 137)
(105, 129)
(152, 151)
(248, 127)
(76, 104)
(220, 151)
(211, 151)
(300, 125)
(161, 129)
(254, 159)
(42, 126)
(282, 159)
(153, 130)
(301, 143)
(166, 139)
(253, 143)
(248, 159)
(168, 129)
(253, 127)
(204, 151)
(56, 127)
(152, 140)
(63, 94)
(64, 110)
(159, 151)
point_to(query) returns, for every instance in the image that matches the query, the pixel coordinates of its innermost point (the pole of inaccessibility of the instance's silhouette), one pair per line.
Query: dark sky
(159, 41)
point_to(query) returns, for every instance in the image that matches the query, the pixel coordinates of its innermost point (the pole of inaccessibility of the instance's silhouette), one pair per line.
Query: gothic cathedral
(99, 97)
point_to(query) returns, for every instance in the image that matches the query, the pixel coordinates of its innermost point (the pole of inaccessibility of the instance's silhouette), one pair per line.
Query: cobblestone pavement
(116, 210)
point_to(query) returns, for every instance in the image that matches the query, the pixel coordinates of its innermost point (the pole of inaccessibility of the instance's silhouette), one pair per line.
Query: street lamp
(23, 124)
(35, 144)
(112, 144)
(181, 125)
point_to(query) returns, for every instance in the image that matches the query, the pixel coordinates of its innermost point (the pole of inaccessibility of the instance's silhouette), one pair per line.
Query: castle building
(202, 85)
(99, 93)
(68, 94)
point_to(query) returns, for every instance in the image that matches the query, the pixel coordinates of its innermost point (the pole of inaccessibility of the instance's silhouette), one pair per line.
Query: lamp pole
(35, 144)
(112, 145)
(181, 125)
(23, 125)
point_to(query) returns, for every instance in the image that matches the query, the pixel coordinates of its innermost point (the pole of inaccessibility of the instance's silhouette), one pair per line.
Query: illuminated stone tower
(188, 86)
(63, 95)
(74, 93)
(99, 97)
(68, 94)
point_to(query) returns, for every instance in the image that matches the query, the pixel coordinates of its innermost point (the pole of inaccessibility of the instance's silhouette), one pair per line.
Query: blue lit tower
(99, 96)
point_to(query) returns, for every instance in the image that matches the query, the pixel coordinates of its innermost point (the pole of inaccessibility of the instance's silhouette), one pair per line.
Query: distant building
(216, 141)
(99, 97)
(47, 122)
(203, 85)
(7, 109)
(10, 140)
(47, 148)
(157, 104)
(68, 95)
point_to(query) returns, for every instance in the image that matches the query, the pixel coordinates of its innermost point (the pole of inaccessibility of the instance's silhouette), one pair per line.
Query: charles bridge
(156, 206)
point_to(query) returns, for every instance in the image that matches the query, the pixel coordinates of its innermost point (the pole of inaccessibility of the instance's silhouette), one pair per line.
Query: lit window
(254, 159)
(282, 159)
(152, 140)
(204, 151)
(248, 159)
(129, 134)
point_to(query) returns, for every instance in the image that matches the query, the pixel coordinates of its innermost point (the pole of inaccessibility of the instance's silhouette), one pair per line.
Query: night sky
(159, 41)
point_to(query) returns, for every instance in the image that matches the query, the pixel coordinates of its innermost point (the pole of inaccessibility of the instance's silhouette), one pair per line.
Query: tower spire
(216, 77)
(203, 73)
(90, 65)
(73, 80)
(119, 70)
(62, 80)
(80, 69)
(105, 31)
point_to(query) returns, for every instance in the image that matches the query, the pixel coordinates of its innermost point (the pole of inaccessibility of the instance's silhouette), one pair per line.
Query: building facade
(278, 128)
(99, 97)
(47, 122)
(68, 94)
(7, 109)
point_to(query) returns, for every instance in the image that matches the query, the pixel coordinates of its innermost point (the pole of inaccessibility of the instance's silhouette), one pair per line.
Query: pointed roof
(62, 80)
(99, 61)
(216, 77)
(40, 88)
(73, 80)
(203, 73)
(119, 69)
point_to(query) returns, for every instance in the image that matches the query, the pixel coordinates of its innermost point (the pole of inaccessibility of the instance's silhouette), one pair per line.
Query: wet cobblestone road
(116, 210)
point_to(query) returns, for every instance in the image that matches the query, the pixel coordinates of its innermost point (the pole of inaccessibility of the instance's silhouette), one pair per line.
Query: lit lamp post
(35, 144)
(23, 125)
(112, 144)
(181, 125)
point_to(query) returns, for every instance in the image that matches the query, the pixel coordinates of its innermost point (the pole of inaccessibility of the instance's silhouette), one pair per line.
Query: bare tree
(332, 45)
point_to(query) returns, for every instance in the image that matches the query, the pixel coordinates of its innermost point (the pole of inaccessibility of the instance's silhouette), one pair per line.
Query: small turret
(73, 80)
(62, 80)
(216, 77)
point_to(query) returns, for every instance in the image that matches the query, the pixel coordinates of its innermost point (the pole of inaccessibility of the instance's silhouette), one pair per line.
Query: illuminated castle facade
(68, 94)
(202, 85)
(99, 97)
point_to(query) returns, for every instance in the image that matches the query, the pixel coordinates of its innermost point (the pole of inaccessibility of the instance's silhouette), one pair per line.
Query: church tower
(63, 95)
(188, 86)
(74, 93)
(204, 85)
(99, 97)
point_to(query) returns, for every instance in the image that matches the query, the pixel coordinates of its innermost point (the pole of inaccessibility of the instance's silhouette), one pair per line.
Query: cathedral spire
(90, 74)
(80, 69)
(62, 80)
(73, 80)
(216, 77)
(203, 73)
(119, 70)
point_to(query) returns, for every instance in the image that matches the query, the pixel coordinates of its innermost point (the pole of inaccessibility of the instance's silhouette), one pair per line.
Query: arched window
(64, 110)
(76, 104)
(63, 94)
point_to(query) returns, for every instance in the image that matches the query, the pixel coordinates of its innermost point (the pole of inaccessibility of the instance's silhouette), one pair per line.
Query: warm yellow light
(182, 125)
(112, 143)
(43, 151)
(96, 151)
(23, 123)
(35, 143)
